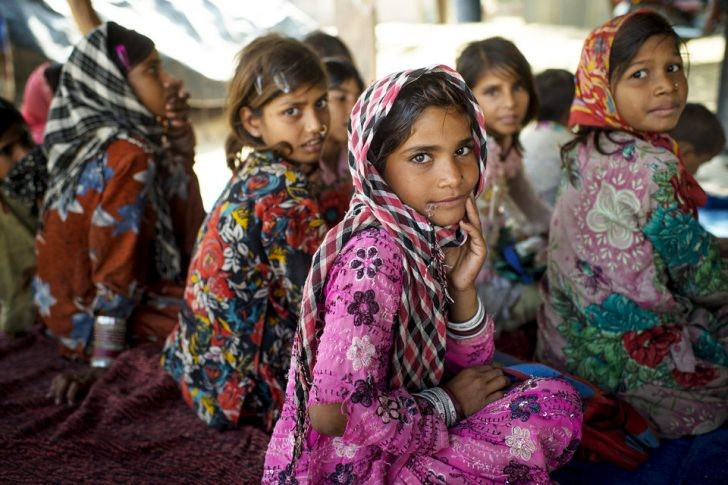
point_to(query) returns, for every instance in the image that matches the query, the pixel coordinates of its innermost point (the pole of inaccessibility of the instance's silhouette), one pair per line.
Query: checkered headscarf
(420, 328)
(94, 106)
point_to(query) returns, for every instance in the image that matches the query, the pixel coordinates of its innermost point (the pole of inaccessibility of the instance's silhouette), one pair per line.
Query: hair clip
(259, 84)
(123, 57)
(280, 79)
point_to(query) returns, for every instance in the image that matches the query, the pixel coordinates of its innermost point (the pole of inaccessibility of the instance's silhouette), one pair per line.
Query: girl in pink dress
(390, 378)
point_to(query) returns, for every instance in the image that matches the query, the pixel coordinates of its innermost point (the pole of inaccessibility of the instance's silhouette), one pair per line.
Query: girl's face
(435, 170)
(147, 80)
(651, 92)
(504, 99)
(341, 100)
(299, 118)
(15, 143)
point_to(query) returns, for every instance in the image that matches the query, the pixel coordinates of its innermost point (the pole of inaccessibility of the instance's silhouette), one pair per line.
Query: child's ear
(250, 121)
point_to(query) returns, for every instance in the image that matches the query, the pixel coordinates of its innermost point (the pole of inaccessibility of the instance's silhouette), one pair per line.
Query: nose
(450, 174)
(316, 119)
(509, 99)
(665, 83)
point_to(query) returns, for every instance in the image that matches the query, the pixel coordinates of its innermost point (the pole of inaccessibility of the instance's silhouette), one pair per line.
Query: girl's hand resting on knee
(476, 387)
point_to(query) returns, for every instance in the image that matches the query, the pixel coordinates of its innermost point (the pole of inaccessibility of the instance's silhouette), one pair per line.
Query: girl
(121, 207)
(230, 351)
(636, 292)
(18, 221)
(334, 188)
(391, 379)
(512, 212)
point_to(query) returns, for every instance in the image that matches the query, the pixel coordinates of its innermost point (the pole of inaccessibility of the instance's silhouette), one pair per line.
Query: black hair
(10, 117)
(125, 47)
(268, 67)
(555, 88)
(627, 42)
(52, 75)
(701, 128)
(327, 45)
(497, 53)
(432, 89)
(339, 71)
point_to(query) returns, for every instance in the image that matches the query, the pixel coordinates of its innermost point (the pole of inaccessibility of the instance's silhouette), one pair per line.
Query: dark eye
(322, 103)
(292, 112)
(464, 150)
(518, 87)
(674, 67)
(421, 158)
(491, 92)
(639, 74)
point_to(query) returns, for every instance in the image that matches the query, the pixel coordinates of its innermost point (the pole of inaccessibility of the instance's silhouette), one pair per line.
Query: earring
(676, 86)
(324, 130)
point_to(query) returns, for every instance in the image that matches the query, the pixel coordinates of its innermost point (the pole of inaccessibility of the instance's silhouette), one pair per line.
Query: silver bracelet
(442, 403)
(469, 328)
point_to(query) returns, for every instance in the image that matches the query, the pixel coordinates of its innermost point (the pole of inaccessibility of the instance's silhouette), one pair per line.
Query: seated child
(699, 136)
(514, 217)
(543, 139)
(18, 221)
(231, 348)
(636, 293)
(122, 204)
(390, 379)
(333, 188)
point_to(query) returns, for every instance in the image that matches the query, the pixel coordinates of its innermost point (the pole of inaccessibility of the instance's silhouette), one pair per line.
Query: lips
(665, 109)
(313, 145)
(449, 202)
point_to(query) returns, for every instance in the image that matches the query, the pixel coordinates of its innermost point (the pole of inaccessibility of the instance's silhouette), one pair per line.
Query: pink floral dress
(393, 435)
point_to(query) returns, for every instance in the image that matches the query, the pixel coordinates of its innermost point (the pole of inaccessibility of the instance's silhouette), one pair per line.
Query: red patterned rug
(133, 426)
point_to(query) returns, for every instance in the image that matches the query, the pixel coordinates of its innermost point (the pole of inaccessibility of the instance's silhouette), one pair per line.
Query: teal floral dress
(636, 298)
(230, 352)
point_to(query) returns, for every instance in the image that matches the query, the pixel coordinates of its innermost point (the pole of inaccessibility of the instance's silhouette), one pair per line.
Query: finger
(475, 236)
(471, 210)
(493, 397)
(72, 392)
(60, 390)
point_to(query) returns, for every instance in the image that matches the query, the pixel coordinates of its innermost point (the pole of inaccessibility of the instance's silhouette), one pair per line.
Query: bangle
(458, 408)
(443, 404)
(469, 328)
(109, 340)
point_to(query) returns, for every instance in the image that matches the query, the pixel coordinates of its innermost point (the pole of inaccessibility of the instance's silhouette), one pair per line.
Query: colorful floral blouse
(95, 249)
(392, 435)
(231, 349)
(637, 294)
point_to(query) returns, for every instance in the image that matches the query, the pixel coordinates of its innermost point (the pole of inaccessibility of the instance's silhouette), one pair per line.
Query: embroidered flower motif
(367, 262)
(702, 376)
(344, 474)
(42, 296)
(520, 443)
(388, 409)
(364, 307)
(361, 352)
(286, 477)
(523, 406)
(343, 450)
(363, 393)
(650, 346)
(517, 473)
(614, 212)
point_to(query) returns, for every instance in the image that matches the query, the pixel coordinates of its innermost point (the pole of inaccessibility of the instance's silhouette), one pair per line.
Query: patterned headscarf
(594, 104)
(94, 106)
(419, 347)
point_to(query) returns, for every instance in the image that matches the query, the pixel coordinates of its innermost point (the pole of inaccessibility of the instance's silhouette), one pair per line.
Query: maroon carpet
(133, 426)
